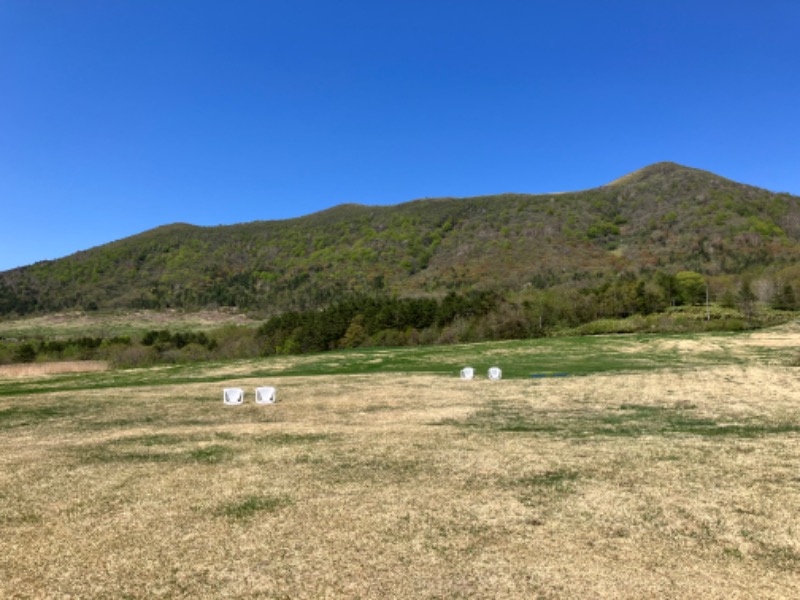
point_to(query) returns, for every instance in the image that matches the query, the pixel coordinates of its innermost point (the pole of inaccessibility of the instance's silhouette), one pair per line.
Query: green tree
(747, 300)
(25, 353)
(785, 299)
(691, 287)
(355, 334)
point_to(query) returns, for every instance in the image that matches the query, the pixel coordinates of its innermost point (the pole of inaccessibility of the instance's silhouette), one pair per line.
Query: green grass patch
(629, 420)
(213, 454)
(249, 506)
(104, 456)
(541, 489)
(782, 557)
(110, 324)
(157, 448)
(519, 359)
(155, 439)
(24, 415)
(290, 439)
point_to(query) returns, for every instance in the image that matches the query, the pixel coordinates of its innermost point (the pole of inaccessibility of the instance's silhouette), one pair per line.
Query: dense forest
(449, 269)
(664, 218)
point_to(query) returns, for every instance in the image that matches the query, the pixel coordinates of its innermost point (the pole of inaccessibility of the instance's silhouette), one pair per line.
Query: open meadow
(650, 467)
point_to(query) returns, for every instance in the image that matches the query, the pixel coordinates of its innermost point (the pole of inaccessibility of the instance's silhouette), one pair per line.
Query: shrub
(130, 357)
(25, 353)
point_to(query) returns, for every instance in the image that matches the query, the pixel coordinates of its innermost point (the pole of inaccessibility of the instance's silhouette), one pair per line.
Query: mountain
(662, 218)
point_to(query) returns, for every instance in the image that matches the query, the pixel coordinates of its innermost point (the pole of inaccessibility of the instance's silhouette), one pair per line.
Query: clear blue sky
(117, 116)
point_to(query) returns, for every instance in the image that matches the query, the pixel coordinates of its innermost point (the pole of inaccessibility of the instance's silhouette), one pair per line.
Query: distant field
(73, 324)
(51, 368)
(658, 467)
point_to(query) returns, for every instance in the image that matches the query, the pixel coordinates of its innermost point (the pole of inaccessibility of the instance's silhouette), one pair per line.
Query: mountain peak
(664, 215)
(656, 170)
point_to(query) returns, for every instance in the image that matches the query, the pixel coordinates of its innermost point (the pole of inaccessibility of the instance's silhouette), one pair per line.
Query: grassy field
(109, 324)
(658, 467)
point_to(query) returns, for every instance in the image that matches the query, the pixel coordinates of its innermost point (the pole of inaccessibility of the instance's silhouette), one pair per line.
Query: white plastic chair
(495, 373)
(467, 373)
(265, 395)
(233, 396)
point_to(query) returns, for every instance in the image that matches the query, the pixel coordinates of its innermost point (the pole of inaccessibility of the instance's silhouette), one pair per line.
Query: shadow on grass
(629, 420)
(156, 448)
(249, 506)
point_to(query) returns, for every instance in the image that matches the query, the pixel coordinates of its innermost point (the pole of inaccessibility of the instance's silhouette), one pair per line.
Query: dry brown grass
(408, 487)
(52, 368)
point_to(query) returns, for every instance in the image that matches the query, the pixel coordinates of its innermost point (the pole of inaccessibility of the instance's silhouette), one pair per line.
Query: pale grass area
(52, 368)
(373, 487)
(102, 323)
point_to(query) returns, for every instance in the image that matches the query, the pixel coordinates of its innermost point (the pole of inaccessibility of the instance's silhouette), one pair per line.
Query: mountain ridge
(664, 217)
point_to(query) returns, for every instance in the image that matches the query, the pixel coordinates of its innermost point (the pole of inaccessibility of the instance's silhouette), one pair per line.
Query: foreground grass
(668, 469)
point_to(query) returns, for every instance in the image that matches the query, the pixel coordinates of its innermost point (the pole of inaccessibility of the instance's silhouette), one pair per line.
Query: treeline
(81, 348)
(381, 320)
(356, 321)
(150, 348)
(485, 316)
(373, 321)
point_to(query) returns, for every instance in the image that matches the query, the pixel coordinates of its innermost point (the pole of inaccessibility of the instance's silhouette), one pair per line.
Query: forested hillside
(613, 250)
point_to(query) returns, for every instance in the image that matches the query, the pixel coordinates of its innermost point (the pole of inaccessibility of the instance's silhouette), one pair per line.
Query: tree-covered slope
(665, 218)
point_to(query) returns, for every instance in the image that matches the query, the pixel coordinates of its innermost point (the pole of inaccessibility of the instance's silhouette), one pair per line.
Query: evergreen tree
(747, 299)
(785, 298)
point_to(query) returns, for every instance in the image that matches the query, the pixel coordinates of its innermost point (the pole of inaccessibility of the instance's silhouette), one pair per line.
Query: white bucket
(265, 395)
(233, 396)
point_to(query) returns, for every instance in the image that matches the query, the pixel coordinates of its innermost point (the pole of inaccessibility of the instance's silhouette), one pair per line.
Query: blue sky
(120, 116)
